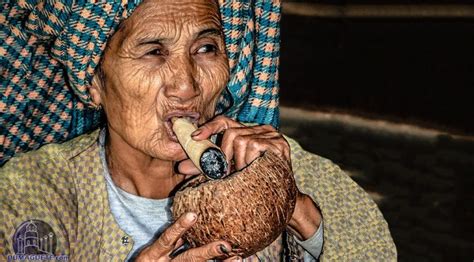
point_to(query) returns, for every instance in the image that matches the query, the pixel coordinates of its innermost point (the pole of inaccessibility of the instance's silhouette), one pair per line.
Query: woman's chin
(171, 151)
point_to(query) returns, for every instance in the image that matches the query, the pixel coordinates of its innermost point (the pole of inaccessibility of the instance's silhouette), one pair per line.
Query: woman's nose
(184, 86)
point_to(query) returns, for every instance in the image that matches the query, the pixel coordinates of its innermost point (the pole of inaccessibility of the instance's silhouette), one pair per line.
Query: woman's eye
(155, 52)
(206, 49)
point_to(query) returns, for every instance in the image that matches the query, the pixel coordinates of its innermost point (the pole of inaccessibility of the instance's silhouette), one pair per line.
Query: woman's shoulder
(47, 167)
(40, 186)
(319, 176)
(49, 154)
(305, 161)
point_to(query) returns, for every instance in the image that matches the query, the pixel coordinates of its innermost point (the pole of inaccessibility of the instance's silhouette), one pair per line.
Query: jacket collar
(76, 146)
(93, 202)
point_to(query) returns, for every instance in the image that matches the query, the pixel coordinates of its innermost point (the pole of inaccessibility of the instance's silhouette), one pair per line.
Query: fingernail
(196, 132)
(223, 249)
(237, 259)
(191, 217)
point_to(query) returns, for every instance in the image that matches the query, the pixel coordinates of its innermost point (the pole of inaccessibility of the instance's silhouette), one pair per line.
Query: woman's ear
(95, 90)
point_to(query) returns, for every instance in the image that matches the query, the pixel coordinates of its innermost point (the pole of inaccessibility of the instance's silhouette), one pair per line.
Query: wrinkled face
(167, 59)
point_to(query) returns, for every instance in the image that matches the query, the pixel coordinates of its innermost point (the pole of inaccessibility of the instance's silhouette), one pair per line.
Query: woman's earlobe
(95, 90)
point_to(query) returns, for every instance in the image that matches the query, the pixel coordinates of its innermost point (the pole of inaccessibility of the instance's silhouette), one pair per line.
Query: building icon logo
(34, 237)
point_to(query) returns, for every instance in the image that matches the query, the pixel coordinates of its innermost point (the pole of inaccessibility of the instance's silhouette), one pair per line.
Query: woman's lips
(192, 116)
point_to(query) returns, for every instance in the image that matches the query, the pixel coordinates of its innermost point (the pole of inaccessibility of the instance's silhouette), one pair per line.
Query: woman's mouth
(191, 116)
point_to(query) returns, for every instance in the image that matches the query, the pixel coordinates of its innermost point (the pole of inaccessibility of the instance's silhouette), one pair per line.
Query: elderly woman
(105, 195)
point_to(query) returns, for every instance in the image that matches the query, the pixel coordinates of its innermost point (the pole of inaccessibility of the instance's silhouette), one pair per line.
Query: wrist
(306, 218)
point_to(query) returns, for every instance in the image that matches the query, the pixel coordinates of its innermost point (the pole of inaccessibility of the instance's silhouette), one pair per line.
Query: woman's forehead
(173, 22)
(173, 14)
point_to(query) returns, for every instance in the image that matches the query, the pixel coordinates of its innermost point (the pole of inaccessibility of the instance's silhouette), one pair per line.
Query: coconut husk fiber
(249, 209)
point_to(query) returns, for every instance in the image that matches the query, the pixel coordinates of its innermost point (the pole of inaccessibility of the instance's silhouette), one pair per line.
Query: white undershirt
(144, 219)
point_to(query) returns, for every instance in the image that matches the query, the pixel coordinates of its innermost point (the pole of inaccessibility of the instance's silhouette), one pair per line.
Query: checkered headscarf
(50, 49)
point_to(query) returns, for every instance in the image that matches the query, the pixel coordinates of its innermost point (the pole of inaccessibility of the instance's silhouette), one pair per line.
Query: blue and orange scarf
(49, 51)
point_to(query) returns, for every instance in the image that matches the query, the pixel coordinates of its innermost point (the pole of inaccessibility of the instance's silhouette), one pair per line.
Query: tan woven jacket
(63, 186)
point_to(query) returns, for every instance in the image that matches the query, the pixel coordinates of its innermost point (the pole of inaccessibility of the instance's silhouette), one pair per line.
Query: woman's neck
(137, 173)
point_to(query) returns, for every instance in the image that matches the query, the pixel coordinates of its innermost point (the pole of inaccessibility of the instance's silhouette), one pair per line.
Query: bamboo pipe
(205, 155)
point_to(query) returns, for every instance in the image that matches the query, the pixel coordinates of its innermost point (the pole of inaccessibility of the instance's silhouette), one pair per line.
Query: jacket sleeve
(35, 190)
(354, 227)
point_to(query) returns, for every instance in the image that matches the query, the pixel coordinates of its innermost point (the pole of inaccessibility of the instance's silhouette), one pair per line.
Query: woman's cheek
(214, 77)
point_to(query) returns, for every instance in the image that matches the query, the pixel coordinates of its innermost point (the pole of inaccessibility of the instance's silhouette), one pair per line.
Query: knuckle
(227, 122)
(229, 134)
(220, 118)
(255, 144)
(209, 252)
(173, 232)
(163, 242)
(280, 136)
(226, 125)
(269, 128)
(275, 135)
(179, 226)
(196, 259)
(240, 140)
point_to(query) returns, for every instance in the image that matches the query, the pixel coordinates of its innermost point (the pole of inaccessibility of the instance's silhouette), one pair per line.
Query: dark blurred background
(382, 88)
(404, 61)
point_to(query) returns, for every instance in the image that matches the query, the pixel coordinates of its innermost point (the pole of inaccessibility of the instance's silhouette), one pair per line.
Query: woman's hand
(171, 239)
(240, 143)
(243, 144)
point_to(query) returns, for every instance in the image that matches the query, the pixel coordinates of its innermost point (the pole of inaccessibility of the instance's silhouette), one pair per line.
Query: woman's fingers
(247, 148)
(165, 244)
(170, 240)
(256, 147)
(237, 138)
(241, 143)
(245, 144)
(187, 167)
(206, 252)
(215, 126)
